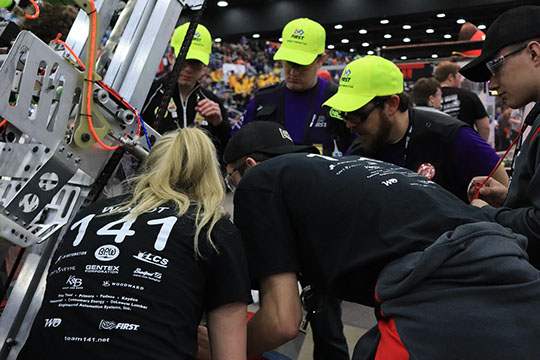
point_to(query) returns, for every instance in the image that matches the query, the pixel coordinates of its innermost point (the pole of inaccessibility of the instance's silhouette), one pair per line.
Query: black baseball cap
(513, 26)
(265, 137)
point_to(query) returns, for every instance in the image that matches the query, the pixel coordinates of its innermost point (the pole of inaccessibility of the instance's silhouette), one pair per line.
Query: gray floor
(357, 319)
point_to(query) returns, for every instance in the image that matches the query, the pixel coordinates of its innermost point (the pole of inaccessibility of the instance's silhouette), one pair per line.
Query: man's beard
(380, 138)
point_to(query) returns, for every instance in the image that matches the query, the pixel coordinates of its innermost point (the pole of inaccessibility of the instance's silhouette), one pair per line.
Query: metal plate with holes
(46, 74)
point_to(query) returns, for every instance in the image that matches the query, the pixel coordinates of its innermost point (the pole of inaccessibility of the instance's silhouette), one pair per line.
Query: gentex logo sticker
(298, 34)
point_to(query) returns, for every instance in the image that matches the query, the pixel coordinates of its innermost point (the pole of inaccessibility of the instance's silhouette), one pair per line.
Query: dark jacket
(431, 139)
(180, 115)
(320, 129)
(521, 211)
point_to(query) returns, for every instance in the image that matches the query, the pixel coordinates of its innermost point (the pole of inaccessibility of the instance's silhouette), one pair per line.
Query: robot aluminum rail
(51, 163)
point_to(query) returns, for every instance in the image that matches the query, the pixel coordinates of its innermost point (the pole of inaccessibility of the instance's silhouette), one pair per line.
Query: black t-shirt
(462, 104)
(135, 290)
(339, 221)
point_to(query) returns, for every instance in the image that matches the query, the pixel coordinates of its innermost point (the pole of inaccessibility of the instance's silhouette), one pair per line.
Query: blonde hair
(181, 167)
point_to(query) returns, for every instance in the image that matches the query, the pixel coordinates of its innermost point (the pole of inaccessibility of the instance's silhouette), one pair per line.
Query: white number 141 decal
(120, 235)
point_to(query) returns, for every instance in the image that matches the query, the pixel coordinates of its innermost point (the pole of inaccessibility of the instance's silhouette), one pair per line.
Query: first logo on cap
(298, 34)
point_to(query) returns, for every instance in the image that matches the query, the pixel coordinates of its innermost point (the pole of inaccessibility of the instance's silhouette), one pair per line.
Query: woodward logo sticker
(109, 283)
(54, 322)
(152, 259)
(113, 325)
(107, 253)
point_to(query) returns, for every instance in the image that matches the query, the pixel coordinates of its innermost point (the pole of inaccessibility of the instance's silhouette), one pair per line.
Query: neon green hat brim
(348, 102)
(198, 55)
(295, 56)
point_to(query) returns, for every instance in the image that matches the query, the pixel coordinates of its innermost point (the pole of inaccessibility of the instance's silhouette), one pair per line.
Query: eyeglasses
(495, 65)
(360, 115)
(230, 181)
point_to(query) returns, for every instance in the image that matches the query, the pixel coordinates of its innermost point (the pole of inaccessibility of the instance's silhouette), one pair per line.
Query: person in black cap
(510, 60)
(445, 282)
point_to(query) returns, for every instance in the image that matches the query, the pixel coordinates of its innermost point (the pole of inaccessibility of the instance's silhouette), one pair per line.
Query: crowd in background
(259, 69)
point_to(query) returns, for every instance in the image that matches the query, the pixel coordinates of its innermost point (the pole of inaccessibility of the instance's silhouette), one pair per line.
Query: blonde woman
(134, 275)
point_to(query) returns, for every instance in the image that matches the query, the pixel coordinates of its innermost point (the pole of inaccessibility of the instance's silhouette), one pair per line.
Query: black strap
(311, 115)
(529, 121)
(172, 78)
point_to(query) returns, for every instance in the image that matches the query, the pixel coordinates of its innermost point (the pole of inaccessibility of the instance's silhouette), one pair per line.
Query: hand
(492, 192)
(210, 111)
(479, 203)
(204, 352)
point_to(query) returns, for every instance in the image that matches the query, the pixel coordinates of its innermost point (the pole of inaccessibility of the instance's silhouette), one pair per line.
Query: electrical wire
(36, 14)
(57, 40)
(108, 88)
(124, 102)
(90, 80)
(145, 132)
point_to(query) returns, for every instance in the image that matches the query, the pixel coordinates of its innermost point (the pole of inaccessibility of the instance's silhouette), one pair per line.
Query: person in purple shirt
(296, 102)
(373, 104)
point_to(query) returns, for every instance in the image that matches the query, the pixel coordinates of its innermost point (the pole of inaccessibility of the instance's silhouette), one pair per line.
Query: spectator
(427, 93)
(459, 103)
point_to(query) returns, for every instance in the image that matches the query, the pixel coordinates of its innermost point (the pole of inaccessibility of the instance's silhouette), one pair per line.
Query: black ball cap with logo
(265, 137)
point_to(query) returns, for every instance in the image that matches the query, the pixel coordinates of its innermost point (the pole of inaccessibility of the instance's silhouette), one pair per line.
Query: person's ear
(250, 162)
(534, 51)
(392, 105)
(322, 59)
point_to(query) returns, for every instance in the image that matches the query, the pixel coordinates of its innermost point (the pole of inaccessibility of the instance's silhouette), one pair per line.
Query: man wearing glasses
(510, 61)
(444, 282)
(296, 102)
(373, 105)
(190, 103)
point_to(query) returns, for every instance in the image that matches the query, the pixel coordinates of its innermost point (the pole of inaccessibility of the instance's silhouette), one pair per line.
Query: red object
(390, 346)
(325, 75)
(478, 35)
(407, 69)
(427, 170)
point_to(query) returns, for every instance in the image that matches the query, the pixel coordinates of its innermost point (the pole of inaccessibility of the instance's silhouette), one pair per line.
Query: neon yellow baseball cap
(303, 41)
(201, 45)
(364, 79)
